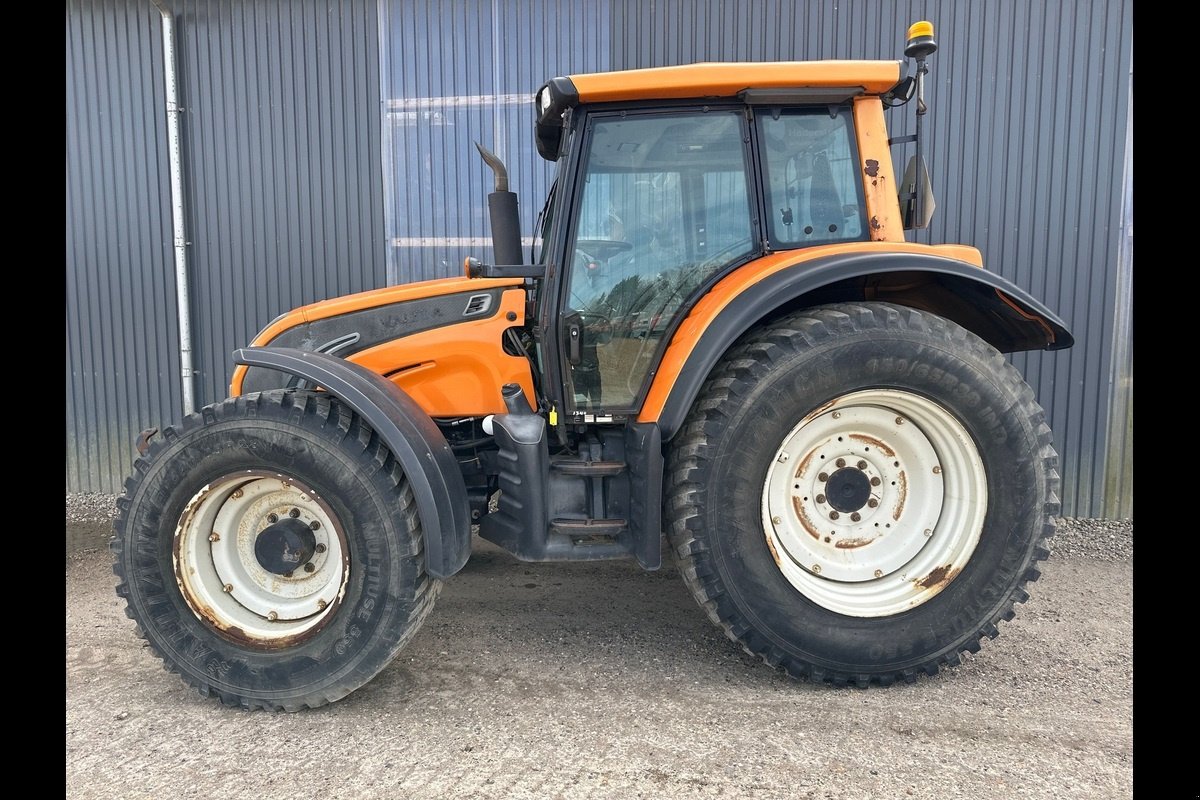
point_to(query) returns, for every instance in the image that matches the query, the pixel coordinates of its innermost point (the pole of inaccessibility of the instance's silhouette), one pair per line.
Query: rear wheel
(861, 493)
(270, 551)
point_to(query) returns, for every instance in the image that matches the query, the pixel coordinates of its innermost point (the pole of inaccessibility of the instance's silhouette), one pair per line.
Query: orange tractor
(722, 335)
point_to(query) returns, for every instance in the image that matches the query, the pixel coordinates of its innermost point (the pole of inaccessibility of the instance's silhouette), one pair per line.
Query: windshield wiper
(543, 216)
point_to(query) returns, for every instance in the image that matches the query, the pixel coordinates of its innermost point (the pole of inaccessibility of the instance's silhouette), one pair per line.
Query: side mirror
(901, 93)
(916, 195)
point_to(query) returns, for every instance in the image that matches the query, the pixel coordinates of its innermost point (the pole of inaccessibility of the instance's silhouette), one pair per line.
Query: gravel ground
(88, 508)
(601, 680)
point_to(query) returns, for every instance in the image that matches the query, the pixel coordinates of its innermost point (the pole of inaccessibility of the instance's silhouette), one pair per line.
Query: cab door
(662, 207)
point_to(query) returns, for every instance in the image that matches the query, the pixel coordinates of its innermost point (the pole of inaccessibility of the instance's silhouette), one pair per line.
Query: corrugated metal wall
(321, 162)
(122, 340)
(284, 190)
(282, 144)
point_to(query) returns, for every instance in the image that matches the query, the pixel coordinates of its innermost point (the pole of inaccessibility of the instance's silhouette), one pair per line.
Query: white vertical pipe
(1118, 457)
(175, 163)
(497, 87)
(391, 226)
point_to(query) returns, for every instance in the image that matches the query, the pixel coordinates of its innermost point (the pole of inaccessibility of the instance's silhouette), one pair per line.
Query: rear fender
(995, 309)
(409, 433)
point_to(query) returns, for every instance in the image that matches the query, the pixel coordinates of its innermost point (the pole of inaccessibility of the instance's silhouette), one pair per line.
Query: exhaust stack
(502, 211)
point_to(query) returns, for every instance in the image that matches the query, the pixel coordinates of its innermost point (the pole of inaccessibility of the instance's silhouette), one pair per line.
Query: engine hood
(397, 328)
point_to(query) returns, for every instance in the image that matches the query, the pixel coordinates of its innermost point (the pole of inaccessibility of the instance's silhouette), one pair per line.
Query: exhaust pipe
(502, 210)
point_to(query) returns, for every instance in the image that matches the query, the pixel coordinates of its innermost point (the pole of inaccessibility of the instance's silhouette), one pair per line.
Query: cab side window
(814, 195)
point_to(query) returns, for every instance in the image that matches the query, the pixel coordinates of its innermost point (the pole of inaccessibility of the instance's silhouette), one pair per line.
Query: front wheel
(270, 551)
(862, 492)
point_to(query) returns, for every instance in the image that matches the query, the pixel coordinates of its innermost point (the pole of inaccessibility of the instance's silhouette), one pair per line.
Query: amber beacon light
(921, 43)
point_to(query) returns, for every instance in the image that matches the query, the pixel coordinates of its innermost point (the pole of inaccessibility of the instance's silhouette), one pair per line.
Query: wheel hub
(848, 489)
(285, 546)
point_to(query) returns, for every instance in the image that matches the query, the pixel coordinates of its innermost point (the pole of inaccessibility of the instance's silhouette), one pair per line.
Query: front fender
(413, 438)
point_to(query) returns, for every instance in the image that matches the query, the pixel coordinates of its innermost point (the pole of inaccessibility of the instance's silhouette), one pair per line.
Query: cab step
(583, 528)
(591, 469)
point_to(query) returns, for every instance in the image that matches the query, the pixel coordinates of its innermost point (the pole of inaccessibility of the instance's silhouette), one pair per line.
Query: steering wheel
(601, 249)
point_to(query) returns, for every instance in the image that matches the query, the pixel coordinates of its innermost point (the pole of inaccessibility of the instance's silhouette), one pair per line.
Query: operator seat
(824, 205)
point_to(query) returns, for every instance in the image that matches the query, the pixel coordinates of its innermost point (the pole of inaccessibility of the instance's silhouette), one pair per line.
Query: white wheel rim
(912, 494)
(221, 578)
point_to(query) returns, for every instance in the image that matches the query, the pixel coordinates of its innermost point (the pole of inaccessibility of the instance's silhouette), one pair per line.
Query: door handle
(574, 343)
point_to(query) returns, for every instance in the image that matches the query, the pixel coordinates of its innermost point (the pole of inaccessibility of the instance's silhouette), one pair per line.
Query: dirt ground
(601, 680)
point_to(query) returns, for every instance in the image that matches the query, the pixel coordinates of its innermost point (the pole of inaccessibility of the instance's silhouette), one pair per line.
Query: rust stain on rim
(807, 524)
(902, 495)
(939, 577)
(774, 552)
(850, 544)
(878, 444)
(803, 465)
(819, 410)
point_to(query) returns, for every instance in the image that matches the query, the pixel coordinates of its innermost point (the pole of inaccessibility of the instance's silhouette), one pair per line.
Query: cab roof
(727, 79)
(766, 81)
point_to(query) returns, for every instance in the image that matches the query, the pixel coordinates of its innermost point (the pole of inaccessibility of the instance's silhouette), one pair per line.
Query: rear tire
(237, 622)
(906, 551)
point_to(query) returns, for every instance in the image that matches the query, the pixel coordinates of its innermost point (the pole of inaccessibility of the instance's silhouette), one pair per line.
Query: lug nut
(310, 567)
(855, 517)
(878, 573)
(271, 615)
(837, 415)
(820, 498)
(315, 525)
(929, 532)
(841, 462)
(320, 548)
(214, 537)
(937, 470)
(272, 518)
(783, 457)
(228, 588)
(872, 502)
(875, 481)
(834, 515)
(899, 420)
(237, 493)
(862, 465)
(295, 512)
(321, 605)
(776, 520)
(824, 476)
(816, 568)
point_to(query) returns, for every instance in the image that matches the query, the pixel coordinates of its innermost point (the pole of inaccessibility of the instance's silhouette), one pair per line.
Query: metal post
(175, 164)
(917, 167)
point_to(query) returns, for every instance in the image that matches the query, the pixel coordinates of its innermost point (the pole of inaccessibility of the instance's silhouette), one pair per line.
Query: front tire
(861, 493)
(270, 552)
